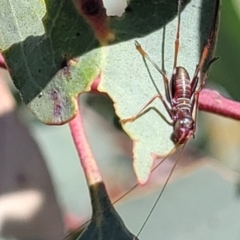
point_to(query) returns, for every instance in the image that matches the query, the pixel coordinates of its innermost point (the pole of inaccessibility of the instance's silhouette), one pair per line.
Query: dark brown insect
(181, 93)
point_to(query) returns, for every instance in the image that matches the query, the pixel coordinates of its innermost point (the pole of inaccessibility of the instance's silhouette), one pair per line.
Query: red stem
(88, 162)
(2, 62)
(211, 101)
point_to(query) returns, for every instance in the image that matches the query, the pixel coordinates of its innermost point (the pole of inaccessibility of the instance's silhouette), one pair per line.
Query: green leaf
(20, 19)
(34, 57)
(126, 80)
(56, 103)
(35, 61)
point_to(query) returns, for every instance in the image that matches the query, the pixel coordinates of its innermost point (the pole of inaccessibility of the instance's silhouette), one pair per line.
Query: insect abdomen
(182, 84)
(181, 89)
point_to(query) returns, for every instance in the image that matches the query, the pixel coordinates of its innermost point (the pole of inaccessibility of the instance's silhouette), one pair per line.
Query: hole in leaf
(115, 8)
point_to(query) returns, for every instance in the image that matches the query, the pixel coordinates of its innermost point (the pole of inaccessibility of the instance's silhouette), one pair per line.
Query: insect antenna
(177, 35)
(153, 169)
(164, 185)
(182, 140)
(129, 191)
(163, 48)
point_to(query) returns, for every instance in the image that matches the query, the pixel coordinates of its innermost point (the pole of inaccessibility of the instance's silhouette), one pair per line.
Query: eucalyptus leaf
(20, 19)
(56, 103)
(36, 54)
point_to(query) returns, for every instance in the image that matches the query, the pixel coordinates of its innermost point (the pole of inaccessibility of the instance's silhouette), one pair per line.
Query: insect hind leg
(177, 35)
(145, 109)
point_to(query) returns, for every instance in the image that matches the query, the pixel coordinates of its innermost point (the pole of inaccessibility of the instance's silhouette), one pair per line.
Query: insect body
(181, 94)
(182, 106)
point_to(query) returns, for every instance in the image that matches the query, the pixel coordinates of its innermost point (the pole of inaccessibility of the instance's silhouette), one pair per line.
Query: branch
(211, 101)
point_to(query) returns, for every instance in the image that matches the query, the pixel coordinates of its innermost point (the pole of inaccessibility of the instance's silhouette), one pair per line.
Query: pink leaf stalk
(2, 62)
(88, 162)
(211, 101)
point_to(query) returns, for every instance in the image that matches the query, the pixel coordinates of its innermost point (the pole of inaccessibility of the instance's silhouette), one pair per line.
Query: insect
(181, 95)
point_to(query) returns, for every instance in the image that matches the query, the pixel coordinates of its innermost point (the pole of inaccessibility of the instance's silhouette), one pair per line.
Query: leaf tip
(143, 170)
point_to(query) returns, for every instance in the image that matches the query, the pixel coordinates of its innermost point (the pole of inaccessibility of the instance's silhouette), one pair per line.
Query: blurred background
(201, 202)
